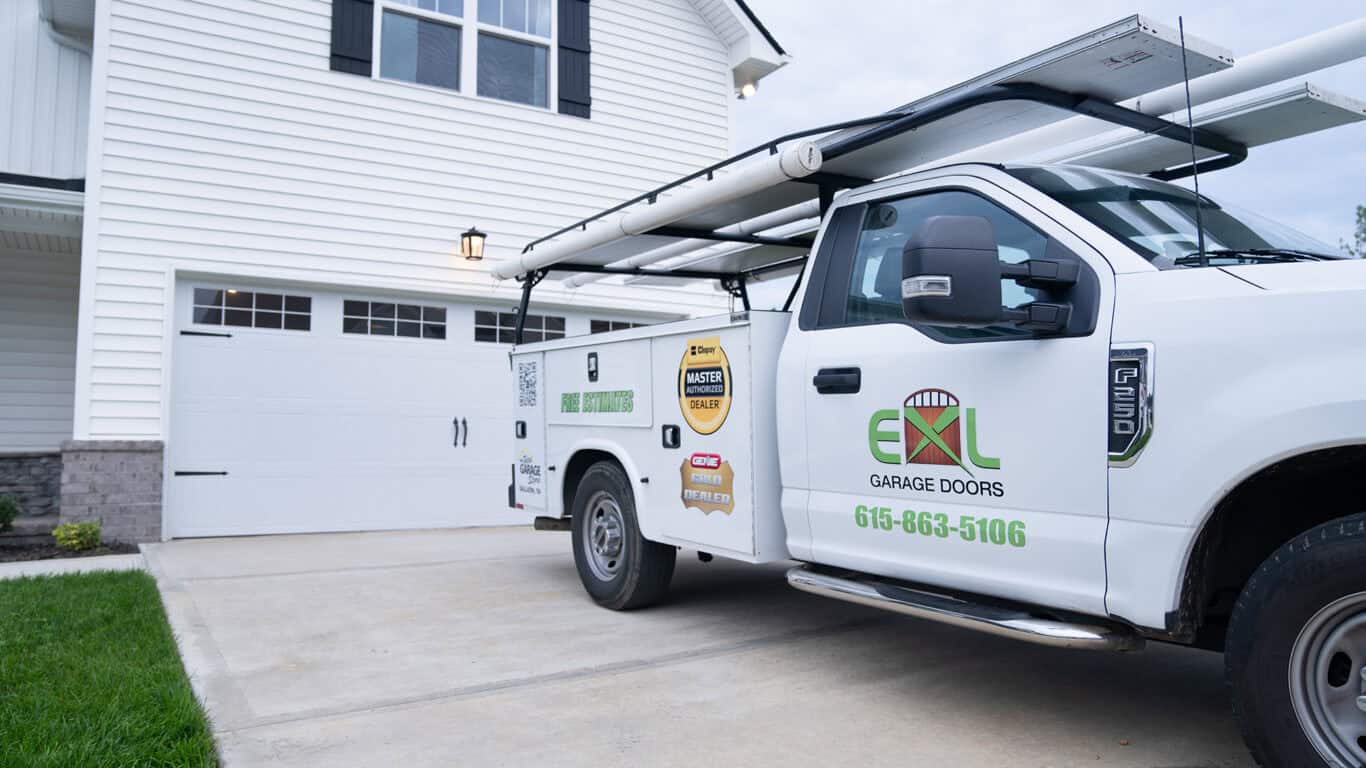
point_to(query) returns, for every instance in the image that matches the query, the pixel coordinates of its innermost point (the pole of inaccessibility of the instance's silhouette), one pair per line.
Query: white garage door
(296, 410)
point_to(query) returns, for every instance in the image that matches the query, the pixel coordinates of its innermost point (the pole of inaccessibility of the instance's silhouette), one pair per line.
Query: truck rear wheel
(1296, 651)
(620, 569)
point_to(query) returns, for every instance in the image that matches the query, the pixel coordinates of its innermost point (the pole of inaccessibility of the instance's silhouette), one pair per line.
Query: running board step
(1093, 634)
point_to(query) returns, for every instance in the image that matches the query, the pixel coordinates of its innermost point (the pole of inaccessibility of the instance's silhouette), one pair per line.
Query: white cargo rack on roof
(1085, 75)
(1253, 122)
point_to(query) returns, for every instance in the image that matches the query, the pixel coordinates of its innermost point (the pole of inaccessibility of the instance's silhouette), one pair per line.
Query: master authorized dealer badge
(704, 385)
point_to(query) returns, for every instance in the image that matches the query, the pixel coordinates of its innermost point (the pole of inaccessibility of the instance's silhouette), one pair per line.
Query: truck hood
(1304, 277)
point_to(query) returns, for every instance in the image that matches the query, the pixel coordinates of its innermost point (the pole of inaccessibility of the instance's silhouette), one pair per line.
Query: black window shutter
(575, 93)
(353, 29)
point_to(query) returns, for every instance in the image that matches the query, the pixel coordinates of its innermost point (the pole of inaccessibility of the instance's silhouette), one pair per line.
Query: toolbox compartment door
(528, 488)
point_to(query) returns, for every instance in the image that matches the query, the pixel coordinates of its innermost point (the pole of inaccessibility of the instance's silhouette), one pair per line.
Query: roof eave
(753, 51)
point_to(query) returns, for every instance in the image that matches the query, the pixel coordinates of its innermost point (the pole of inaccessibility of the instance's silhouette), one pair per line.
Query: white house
(232, 299)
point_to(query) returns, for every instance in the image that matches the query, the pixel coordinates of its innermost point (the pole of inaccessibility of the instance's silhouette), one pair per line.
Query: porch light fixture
(472, 244)
(748, 90)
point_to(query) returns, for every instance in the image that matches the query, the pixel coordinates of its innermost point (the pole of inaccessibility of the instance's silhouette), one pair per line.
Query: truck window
(874, 293)
(1157, 220)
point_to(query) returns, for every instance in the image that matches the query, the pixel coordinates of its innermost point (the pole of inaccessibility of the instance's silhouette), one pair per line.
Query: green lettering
(985, 462)
(878, 436)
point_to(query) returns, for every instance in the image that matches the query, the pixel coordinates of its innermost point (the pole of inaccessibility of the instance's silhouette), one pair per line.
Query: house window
(603, 326)
(417, 49)
(386, 318)
(250, 309)
(507, 42)
(529, 16)
(515, 67)
(501, 327)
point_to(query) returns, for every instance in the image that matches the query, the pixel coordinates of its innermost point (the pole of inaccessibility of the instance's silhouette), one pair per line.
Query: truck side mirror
(951, 273)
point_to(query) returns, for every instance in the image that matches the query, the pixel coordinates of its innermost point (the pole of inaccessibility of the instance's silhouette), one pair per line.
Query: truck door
(974, 459)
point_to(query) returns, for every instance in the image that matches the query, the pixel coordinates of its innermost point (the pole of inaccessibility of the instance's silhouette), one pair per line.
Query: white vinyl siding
(44, 97)
(229, 147)
(37, 348)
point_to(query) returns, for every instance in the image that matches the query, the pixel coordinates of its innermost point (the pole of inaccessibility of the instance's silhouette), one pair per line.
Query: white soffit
(71, 17)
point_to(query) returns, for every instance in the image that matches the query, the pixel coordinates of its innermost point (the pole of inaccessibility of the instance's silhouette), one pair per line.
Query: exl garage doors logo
(932, 428)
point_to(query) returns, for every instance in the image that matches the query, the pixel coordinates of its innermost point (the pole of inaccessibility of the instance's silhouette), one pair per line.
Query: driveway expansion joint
(572, 675)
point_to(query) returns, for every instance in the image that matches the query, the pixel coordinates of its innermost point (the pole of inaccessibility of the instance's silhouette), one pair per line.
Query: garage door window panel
(501, 327)
(381, 318)
(248, 309)
(604, 326)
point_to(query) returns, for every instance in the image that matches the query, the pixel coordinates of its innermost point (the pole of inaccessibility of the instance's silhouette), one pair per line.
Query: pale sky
(861, 57)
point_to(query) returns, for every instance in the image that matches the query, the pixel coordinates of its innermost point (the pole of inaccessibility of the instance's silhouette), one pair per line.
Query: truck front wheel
(620, 569)
(1296, 651)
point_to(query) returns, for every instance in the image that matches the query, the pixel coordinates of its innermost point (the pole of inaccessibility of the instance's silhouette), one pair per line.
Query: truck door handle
(838, 381)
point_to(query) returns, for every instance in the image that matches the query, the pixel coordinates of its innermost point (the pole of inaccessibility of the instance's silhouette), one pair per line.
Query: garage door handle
(200, 474)
(838, 381)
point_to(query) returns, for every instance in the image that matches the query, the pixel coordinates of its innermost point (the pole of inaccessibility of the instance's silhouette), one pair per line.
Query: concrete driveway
(479, 647)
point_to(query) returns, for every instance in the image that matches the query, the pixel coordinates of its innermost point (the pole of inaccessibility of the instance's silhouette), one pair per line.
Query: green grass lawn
(90, 676)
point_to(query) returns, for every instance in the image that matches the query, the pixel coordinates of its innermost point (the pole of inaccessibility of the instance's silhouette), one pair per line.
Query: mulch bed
(50, 551)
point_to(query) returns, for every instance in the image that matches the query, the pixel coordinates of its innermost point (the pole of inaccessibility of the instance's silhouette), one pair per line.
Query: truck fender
(609, 447)
(1320, 427)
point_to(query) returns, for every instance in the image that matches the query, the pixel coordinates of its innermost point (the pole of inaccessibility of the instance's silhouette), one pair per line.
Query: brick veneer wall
(117, 482)
(33, 480)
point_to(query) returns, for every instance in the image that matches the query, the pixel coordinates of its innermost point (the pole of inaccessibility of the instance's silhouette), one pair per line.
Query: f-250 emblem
(1130, 403)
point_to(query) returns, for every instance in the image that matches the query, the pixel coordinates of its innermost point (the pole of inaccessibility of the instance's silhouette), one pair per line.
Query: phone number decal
(987, 530)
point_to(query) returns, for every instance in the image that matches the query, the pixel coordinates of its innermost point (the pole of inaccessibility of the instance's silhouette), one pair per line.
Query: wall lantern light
(748, 90)
(472, 244)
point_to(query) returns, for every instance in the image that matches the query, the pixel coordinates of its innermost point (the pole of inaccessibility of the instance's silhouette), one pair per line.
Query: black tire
(639, 574)
(1287, 594)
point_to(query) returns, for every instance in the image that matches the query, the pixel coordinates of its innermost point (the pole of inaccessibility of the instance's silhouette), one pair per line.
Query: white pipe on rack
(1311, 53)
(796, 162)
(699, 259)
(753, 226)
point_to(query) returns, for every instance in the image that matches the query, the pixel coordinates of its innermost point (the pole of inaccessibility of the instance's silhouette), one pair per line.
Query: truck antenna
(1195, 166)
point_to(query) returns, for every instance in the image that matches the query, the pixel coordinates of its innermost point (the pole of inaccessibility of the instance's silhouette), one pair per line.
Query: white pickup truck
(1069, 405)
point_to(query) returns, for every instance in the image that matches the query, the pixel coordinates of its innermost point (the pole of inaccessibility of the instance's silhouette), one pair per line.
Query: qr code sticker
(526, 384)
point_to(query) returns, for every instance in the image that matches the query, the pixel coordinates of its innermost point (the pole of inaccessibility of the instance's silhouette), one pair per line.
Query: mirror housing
(951, 273)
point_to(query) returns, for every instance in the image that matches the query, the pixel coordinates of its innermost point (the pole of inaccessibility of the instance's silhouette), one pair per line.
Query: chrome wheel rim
(606, 531)
(1328, 680)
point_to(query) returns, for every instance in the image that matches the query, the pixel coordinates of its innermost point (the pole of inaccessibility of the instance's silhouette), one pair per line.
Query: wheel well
(1252, 521)
(574, 470)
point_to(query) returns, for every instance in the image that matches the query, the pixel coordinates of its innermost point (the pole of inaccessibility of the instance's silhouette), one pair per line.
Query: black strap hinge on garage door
(206, 333)
(199, 474)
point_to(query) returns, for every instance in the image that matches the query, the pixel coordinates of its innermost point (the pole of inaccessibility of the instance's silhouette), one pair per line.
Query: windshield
(1157, 220)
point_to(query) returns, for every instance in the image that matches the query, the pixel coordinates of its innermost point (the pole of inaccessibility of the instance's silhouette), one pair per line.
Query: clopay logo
(931, 432)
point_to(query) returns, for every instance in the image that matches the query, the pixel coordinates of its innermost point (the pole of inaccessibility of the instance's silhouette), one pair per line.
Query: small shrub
(77, 537)
(9, 509)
